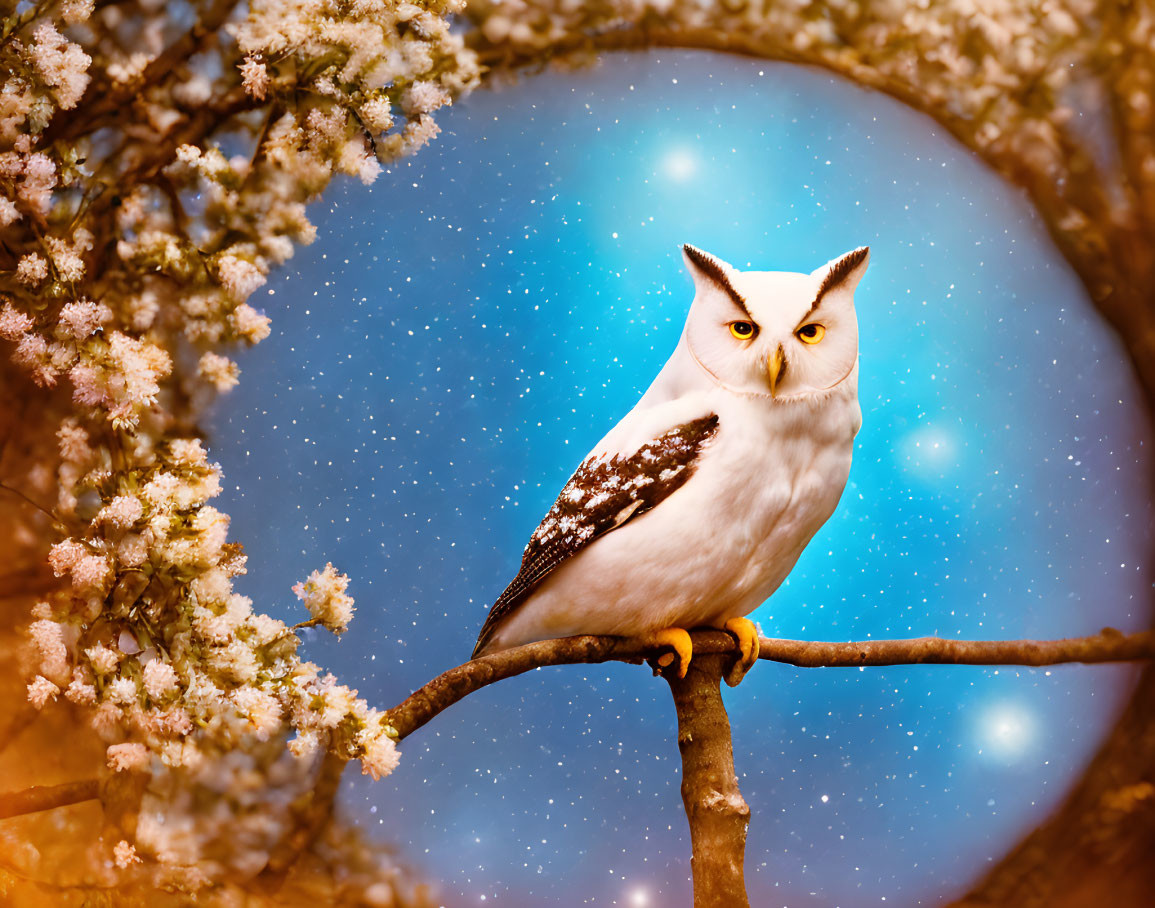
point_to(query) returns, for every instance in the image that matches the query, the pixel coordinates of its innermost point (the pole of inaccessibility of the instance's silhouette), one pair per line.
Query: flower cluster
(150, 177)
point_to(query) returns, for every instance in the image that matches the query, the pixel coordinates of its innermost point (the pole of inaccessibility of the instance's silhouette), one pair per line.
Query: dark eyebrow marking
(713, 268)
(836, 276)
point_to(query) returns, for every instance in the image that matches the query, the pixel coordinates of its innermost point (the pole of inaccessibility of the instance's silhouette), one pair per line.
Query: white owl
(696, 506)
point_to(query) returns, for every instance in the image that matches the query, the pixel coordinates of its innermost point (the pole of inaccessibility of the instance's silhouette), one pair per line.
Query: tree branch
(446, 689)
(47, 797)
(717, 812)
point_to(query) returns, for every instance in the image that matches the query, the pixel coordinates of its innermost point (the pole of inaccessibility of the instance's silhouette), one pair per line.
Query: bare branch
(47, 797)
(446, 689)
(717, 812)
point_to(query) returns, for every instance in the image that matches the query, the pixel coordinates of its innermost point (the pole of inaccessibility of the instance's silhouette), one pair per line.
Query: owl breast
(721, 544)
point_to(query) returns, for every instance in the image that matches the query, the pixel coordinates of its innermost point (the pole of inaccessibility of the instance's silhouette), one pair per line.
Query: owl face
(775, 333)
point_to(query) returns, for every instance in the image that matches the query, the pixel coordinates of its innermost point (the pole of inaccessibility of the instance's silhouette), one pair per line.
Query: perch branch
(47, 797)
(717, 812)
(457, 683)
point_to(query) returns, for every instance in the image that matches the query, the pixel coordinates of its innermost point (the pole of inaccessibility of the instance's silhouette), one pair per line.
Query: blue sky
(462, 332)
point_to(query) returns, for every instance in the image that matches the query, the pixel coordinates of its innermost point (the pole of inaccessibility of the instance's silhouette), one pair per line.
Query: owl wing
(603, 494)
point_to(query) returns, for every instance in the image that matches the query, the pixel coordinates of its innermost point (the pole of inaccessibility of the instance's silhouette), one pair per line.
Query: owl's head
(779, 333)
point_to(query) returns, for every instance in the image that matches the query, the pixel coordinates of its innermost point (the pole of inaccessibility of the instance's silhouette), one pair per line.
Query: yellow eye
(811, 334)
(743, 330)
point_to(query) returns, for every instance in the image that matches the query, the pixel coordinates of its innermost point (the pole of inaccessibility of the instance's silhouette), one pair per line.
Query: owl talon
(746, 634)
(677, 639)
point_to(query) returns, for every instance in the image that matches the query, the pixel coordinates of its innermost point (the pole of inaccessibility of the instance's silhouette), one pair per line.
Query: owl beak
(775, 369)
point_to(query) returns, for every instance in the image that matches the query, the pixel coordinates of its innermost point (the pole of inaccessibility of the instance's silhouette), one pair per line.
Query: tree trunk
(714, 806)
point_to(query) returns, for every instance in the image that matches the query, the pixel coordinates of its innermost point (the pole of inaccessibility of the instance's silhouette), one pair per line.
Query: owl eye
(811, 334)
(743, 330)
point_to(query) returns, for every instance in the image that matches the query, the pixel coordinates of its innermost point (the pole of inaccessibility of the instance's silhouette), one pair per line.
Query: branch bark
(715, 809)
(446, 689)
(47, 797)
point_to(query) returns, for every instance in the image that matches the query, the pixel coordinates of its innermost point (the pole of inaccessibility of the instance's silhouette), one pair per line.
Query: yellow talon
(678, 639)
(746, 634)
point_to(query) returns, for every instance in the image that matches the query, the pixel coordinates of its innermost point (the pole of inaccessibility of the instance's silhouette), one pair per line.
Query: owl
(695, 507)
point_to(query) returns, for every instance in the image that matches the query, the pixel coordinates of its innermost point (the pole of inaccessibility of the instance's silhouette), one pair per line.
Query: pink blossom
(376, 115)
(238, 277)
(81, 690)
(128, 757)
(121, 512)
(423, 97)
(14, 324)
(84, 318)
(64, 555)
(124, 854)
(123, 691)
(260, 708)
(9, 213)
(104, 660)
(32, 269)
(41, 690)
(159, 679)
(323, 593)
(73, 441)
(48, 637)
(255, 77)
(253, 326)
(379, 756)
(220, 371)
(39, 181)
(108, 719)
(90, 574)
(62, 65)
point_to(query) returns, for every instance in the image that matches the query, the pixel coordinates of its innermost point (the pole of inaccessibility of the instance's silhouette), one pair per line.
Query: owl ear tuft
(843, 272)
(708, 271)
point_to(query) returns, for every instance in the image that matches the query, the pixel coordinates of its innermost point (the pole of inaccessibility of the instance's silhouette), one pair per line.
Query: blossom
(41, 690)
(104, 660)
(376, 114)
(221, 371)
(255, 77)
(261, 708)
(48, 637)
(423, 97)
(121, 512)
(81, 690)
(62, 65)
(91, 573)
(8, 212)
(68, 258)
(122, 691)
(239, 277)
(64, 554)
(31, 269)
(249, 324)
(379, 756)
(84, 317)
(159, 679)
(323, 593)
(13, 323)
(127, 757)
(124, 854)
(304, 745)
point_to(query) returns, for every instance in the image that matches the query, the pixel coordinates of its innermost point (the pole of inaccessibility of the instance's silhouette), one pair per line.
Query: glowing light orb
(679, 164)
(1006, 731)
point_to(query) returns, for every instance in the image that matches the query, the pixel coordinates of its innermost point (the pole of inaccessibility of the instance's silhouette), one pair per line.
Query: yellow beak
(775, 369)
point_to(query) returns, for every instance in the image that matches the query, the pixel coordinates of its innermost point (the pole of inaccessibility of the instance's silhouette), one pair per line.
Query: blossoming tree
(155, 163)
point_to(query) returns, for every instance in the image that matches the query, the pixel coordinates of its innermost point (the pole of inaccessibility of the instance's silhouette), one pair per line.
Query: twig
(7, 488)
(457, 683)
(47, 797)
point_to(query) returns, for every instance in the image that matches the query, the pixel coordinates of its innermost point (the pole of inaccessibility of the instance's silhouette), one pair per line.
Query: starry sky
(463, 331)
